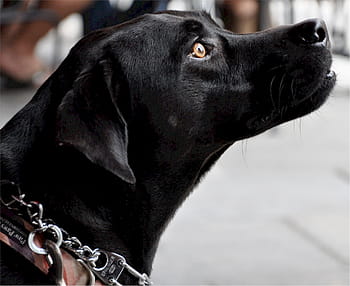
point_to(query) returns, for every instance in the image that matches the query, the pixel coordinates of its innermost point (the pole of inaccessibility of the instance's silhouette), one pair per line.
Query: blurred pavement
(273, 211)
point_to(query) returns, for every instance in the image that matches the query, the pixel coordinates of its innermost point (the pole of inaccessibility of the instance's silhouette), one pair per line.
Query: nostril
(317, 36)
(312, 32)
(321, 33)
(310, 38)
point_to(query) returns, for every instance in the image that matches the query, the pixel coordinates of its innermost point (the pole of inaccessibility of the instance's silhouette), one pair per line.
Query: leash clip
(11, 195)
(108, 267)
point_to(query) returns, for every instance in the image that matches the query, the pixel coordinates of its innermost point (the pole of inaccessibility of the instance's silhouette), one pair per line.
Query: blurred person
(102, 14)
(18, 62)
(240, 16)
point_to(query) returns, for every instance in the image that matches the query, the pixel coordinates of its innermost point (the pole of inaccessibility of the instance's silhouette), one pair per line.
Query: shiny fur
(121, 133)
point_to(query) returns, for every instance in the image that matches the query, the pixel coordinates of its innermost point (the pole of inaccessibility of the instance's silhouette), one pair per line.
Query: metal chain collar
(107, 266)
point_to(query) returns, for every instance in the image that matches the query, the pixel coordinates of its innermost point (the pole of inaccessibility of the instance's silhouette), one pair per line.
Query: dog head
(178, 75)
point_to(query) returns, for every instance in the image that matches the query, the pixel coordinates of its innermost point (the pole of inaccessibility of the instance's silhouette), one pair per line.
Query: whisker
(281, 89)
(244, 144)
(275, 68)
(271, 92)
(292, 89)
(317, 113)
(294, 126)
(300, 125)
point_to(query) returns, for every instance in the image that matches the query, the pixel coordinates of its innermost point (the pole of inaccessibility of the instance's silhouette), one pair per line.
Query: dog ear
(89, 119)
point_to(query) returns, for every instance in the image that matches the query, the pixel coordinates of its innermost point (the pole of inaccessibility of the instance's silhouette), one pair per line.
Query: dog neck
(95, 205)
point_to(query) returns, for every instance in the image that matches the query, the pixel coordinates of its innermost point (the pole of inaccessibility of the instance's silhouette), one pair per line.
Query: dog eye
(198, 50)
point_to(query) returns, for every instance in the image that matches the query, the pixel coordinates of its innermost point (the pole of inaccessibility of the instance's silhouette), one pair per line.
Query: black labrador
(121, 133)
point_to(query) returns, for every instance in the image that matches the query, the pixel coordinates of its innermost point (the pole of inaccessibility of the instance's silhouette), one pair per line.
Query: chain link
(84, 252)
(34, 210)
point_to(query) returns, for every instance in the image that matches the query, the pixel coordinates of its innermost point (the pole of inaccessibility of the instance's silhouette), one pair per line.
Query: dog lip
(268, 120)
(329, 80)
(330, 74)
(258, 121)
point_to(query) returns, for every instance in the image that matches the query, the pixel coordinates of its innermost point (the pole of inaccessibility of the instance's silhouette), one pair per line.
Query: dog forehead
(177, 19)
(149, 27)
(199, 15)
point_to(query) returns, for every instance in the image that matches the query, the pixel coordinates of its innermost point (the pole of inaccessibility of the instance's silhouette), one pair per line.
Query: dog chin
(314, 100)
(308, 104)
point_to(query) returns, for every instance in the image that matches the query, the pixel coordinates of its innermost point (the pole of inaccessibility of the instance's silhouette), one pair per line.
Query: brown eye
(198, 50)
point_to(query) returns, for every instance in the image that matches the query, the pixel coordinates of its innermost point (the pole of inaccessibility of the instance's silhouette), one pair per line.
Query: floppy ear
(89, 119)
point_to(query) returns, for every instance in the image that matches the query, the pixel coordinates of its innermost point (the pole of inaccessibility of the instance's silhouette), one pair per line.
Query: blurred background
(275, 208)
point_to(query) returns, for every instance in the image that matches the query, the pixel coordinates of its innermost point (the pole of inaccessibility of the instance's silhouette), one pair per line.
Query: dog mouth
(285, 102)
(330, 74)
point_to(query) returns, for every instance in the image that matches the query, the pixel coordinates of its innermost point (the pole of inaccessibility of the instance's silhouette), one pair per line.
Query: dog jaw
(301, 106)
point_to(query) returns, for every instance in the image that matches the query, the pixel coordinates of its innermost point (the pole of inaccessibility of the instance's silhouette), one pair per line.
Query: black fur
(120, 134)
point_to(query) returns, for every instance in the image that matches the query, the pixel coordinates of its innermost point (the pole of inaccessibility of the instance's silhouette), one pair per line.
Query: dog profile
(136, 114)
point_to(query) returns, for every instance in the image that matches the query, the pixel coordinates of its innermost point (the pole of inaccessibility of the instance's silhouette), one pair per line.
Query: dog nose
(312, 32)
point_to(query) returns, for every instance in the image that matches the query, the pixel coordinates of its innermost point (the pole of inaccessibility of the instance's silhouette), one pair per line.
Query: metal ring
(106, 263)
(39, 250)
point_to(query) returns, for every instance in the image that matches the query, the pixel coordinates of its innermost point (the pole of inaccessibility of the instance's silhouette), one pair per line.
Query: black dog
(122, 132)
